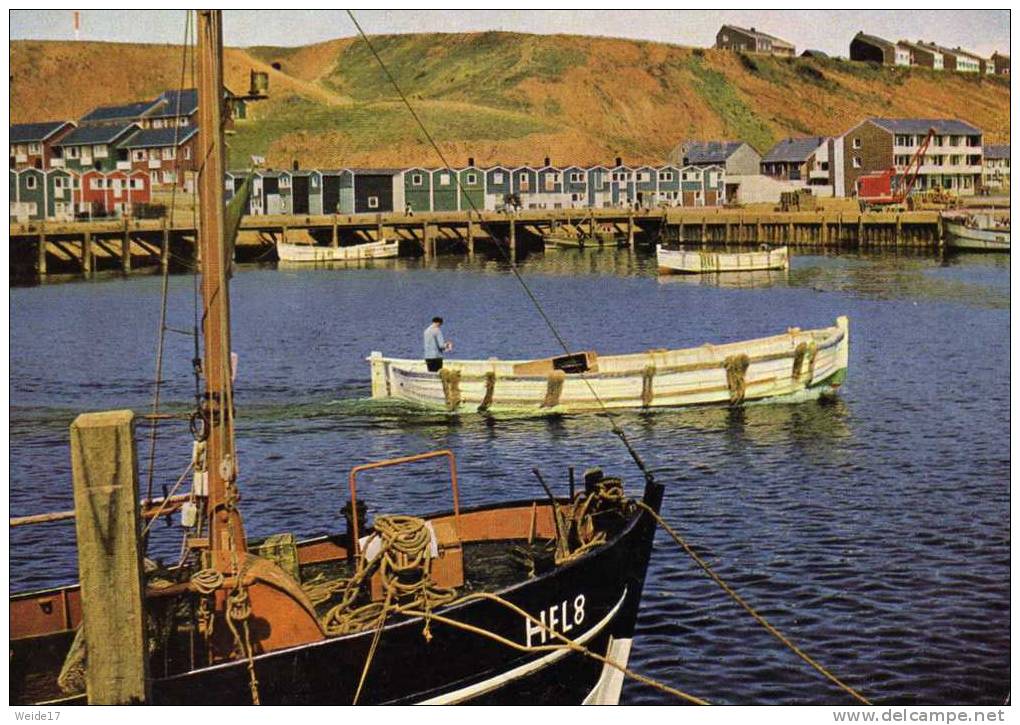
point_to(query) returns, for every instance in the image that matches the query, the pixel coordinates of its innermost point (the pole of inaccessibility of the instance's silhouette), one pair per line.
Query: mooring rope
(750, 610)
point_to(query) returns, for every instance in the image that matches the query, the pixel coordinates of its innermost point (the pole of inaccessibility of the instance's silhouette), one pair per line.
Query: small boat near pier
(976, 232)
(318, 254)
(685, 261)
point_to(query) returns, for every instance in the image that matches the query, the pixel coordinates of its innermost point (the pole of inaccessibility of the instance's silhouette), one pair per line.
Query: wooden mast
(226, 532)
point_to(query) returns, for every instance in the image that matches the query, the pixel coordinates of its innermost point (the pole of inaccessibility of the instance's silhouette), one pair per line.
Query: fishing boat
(318, 254)
(976, 232)
(706, 262)
(578, 238)
(527, 601)
(796, 364)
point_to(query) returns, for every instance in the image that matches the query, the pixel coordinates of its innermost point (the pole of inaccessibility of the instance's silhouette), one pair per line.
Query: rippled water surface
(873, 530)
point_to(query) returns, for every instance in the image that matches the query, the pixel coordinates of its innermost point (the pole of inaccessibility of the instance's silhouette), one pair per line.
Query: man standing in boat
(435, 345)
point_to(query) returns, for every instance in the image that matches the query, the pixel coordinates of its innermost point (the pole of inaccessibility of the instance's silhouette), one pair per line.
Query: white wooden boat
(705, 262)
(316, 254)
(797, 364)
(976, 231)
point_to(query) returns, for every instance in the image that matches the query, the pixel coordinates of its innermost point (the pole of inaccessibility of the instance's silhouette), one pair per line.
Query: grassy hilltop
(506, 97)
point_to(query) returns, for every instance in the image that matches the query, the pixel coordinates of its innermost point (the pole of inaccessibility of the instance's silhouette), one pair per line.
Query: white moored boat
(976, 231)
(797, 363)
(316, 254)
(705, 262)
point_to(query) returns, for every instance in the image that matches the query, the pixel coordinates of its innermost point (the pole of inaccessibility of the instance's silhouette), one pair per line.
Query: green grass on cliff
(729, 105)
(481, 68)
(368, 126)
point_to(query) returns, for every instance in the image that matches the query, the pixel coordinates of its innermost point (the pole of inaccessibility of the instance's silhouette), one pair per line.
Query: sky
(982, 31)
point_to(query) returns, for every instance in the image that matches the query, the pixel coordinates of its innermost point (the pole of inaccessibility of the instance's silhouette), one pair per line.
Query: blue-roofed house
(96, 147)
(599, 193)
(32, 144)
(120, 115)
(995, 174)
(575, 186)
(804, 161)
(668, 192)
(177, 108)
(952, 162)
(167, 155)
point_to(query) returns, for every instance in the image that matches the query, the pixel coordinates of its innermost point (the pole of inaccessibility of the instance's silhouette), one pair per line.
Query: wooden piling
(105, 474)
(471, 238)
(41, 263)
(334, 240)
(630, 231)
(899, 229)
(513, 241)
(704, 230)
(164, 252)
(86, 256)
(425, 240)
(125, 251)
(860, 229)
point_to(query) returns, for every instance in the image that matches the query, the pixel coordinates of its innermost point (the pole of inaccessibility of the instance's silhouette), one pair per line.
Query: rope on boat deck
(751, 610)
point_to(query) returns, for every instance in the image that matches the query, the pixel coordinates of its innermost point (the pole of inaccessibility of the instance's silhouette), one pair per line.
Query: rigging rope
(750, 610)
(166, 272)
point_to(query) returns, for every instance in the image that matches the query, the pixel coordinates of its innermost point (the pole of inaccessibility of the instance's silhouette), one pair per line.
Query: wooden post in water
(471, 238)
(125, 251)
(513, 241)
(425, 240)
(630, 231)
(899, 230)
(105, 473)
(757, 229)
(334, 241)
(704, 229)
(164, 252)
(41, 263)
(86, 255)
(860, 229)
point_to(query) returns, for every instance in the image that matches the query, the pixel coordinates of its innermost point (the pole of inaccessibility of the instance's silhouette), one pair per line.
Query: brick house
(731, 37)
(167, 155)
(800, 160)
(924, 56)
(736, 157)
(952, 162)
(872, 49)
(32, 143)
(93, 147)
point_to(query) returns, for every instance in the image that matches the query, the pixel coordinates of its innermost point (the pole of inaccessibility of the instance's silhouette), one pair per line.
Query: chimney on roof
(619, 161)
(295, 165)
(753, 30)
(471, 160)
(547, 161)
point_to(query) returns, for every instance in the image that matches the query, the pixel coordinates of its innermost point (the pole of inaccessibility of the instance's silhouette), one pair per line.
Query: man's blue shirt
(434, 342)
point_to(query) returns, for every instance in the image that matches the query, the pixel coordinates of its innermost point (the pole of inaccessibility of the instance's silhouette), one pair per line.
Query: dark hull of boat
(593, 600)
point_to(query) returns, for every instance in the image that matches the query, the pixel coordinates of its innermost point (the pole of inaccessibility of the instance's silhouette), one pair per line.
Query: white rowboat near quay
(977, 231)
(706, 262)
(316, 254)
(797, 364)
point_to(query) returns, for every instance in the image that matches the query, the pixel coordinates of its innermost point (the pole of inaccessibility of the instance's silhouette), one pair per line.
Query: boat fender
(490, 388)
(451, 387)
(647, 393)
(554, 388)
(736, 368)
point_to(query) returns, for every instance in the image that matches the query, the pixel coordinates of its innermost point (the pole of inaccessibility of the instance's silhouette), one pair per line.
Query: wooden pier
(40, 249)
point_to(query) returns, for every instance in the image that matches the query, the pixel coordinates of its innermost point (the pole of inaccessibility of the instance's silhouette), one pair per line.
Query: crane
(881, 188)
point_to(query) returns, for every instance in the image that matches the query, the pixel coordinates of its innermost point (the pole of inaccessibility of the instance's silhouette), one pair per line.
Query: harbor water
(872, 529)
